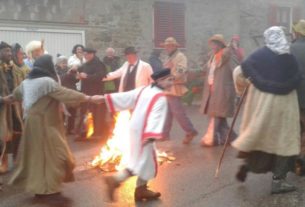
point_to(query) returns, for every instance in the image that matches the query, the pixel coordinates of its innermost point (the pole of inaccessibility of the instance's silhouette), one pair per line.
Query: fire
(113, 156)
(89, 124)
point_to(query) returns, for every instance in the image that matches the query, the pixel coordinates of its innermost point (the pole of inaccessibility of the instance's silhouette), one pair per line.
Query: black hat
(89, 50)
(130, 50)
(4, 45)
(161, 74)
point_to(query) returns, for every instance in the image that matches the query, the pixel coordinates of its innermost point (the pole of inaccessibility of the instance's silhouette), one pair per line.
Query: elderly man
(10, 114)
(177, 63)
(112, 63)
(33, 50)
(133, 73)
(297, 49)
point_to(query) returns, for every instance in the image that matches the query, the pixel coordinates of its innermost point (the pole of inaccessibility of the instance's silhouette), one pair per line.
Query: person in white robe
(149, 109)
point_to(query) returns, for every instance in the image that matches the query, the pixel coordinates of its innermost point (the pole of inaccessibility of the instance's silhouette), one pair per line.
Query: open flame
(90, 125)
(113, 156)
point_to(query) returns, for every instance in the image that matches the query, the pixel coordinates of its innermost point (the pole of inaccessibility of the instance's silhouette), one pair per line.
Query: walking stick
(231, 129)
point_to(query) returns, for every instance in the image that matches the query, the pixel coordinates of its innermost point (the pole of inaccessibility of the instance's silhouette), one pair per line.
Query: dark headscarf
(43, 67)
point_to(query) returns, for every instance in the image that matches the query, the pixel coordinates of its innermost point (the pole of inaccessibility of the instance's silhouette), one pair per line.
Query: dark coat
(155, 63)
(96, 71)
(298, 50)
(220, 103)
(68, 78)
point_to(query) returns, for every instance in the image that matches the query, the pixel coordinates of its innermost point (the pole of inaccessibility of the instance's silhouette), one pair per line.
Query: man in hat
(90, 74)
(297, 49)
(149, 106)
(177, 63)
(218, 93)
(10, 114)
(133, 73)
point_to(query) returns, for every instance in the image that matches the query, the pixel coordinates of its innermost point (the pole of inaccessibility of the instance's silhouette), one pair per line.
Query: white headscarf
(276, 41)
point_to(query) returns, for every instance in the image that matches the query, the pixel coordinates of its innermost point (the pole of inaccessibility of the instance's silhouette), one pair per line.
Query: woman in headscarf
(269, 136)
(44, 160)
(18, 55)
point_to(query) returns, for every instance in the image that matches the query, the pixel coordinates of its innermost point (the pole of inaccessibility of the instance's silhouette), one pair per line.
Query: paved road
(187, 182)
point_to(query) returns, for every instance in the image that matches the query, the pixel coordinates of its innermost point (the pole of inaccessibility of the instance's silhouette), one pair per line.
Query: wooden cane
(231, 129)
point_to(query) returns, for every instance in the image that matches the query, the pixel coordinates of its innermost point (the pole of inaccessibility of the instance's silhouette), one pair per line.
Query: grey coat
(220, 102)
(298, 50)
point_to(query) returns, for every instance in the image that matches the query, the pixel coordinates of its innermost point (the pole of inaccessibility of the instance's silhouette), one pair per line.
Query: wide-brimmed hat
(218, 38)
(170, 41)
(299, 27)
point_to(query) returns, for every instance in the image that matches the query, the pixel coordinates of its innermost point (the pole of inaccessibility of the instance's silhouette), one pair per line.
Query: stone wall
(121, 23)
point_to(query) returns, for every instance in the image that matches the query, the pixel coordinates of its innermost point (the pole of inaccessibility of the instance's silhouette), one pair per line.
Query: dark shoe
(142, 193)
(189, 137)
(111, 184)
(242, 174)
(281, 186)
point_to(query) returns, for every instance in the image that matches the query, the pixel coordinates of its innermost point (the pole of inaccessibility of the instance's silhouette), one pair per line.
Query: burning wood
(113, 155)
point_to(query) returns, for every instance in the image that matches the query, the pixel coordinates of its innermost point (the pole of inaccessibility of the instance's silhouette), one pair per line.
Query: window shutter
(272, 15)
(169, 21)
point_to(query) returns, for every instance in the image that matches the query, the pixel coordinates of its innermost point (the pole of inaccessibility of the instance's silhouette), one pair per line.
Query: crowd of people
(36, 92)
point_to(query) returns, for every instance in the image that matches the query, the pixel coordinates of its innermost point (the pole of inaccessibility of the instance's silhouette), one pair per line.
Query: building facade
(146, 23)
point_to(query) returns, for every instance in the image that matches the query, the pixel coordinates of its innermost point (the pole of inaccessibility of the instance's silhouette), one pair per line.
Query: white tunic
(149, 107)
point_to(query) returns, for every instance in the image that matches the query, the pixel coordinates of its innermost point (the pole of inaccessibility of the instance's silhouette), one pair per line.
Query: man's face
(89, 56)
(131, 58)
(166, 82)
(170, 48)
(37, 53)
(215, 47)
(109, 53)
(6, 54)
(20, 56)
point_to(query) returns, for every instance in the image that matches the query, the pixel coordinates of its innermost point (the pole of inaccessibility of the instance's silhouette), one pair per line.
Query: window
(283, 16)
(169, 21)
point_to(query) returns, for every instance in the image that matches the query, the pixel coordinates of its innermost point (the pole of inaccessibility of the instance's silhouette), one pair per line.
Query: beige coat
(44, 159)
(270, 122)
(178, 65)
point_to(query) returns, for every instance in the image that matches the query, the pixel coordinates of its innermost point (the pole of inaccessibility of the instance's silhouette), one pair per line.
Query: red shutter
(272, 12)
(169, 21)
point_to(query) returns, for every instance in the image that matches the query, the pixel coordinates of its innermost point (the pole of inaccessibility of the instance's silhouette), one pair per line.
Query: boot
(142, 193)
(111, 184)
(242, 173)
(281, 186)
